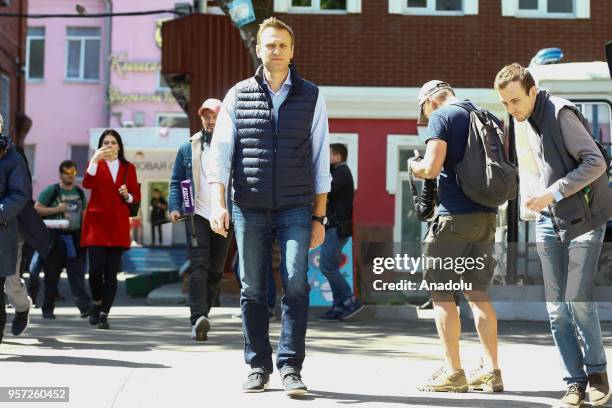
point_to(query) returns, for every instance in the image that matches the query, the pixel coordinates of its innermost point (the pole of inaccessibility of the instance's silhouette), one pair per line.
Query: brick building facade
(12, 60)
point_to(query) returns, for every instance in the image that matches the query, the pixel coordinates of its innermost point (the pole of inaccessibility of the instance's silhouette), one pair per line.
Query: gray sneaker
(199, 331)
(292, 381)
(258, 380)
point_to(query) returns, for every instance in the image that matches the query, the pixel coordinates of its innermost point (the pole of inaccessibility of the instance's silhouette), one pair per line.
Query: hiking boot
(21, 320)
(103, 322)
(487, 381)
(258, 380)
(199, 331)
(349, 311)
(332, 315)
(443, 381)
(575, 395)
(599, 389)
(94, 316)
(292, 381)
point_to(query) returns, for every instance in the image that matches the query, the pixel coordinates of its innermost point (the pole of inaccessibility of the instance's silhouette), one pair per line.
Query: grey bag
(485, 173)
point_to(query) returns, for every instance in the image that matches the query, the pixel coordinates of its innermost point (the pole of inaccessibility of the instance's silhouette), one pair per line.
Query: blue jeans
(254, 232)
(329, 263)
(569, 271)
(271, 283)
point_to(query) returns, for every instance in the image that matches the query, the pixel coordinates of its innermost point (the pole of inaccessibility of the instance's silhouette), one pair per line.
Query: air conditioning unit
(5, 3)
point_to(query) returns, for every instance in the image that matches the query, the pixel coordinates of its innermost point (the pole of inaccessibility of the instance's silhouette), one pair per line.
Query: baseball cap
(211, 104)
(426, 91)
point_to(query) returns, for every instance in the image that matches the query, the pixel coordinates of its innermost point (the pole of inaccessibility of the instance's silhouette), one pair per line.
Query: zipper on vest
(274, 148)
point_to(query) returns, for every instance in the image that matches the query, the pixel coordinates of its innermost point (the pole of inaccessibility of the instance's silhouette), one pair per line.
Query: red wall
(373, 204)
(376, 48)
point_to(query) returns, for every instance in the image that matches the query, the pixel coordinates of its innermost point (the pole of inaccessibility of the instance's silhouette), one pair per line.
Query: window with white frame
(317, 6)
(434, 7)
(351, 141)
(83, 53)
(407, 228)
(162, 85)
(35, 54)
(546, 8)
(173, 120)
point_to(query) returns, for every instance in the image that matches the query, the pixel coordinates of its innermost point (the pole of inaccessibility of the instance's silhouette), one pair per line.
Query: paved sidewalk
(148, 360)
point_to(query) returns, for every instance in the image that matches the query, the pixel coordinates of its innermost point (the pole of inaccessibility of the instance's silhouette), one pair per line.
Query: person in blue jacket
(208, 254)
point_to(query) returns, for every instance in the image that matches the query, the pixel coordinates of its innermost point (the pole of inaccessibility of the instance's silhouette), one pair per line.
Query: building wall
(12, 54)
(62, 111)
(375, 48)
(134, 38)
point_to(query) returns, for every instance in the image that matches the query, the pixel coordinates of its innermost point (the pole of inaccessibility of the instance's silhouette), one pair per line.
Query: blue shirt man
(272, 133)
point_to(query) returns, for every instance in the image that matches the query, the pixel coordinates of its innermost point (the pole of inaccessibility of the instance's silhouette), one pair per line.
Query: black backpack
(485, 173)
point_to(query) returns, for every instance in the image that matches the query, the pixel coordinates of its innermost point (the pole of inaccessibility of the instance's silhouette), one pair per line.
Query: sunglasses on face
(70, 172)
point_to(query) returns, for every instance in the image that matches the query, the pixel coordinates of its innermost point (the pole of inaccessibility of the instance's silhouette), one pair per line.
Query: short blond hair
(274, 23)
(511, 73)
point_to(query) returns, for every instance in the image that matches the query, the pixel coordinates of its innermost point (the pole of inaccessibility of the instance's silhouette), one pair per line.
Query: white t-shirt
(203, 197)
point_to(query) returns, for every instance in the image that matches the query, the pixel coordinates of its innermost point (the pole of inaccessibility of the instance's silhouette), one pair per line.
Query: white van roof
(575, 79)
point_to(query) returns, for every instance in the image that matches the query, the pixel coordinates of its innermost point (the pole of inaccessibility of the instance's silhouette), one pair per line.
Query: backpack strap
(55, 195)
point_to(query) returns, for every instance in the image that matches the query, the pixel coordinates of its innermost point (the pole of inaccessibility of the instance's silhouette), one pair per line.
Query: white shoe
(199, 331)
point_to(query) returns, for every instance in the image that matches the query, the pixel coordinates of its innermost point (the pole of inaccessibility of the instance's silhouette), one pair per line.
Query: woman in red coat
(106, 227)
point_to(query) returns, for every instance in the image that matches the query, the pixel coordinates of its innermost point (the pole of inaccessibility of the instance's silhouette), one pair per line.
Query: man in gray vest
(574, 202)
(272, 135)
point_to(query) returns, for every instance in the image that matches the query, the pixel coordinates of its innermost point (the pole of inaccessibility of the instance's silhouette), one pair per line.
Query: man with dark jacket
(339, 228)
(15, 194)
(272, 135)
(574, 202)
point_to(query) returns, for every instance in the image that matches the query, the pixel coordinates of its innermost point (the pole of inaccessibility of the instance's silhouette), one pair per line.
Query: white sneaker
(199, 331)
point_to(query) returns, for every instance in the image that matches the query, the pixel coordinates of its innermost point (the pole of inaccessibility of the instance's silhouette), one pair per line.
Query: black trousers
(207, 261)
(159, 231)
(53, 265)
(104, 265)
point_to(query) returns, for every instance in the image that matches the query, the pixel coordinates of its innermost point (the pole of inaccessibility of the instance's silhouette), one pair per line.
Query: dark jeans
(104, 265)
(271, 284)
(207, 261)
(2, 309)
(159, 231)
(329, 263)
(53, 265)
(255, 230)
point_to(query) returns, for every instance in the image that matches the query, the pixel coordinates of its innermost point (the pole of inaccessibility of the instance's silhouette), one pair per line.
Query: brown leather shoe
(599, 389)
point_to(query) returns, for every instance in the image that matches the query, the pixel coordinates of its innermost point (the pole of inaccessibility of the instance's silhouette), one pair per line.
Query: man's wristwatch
(322, 220)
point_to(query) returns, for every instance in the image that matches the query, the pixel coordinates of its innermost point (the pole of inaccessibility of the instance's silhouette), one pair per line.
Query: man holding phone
(462, 228)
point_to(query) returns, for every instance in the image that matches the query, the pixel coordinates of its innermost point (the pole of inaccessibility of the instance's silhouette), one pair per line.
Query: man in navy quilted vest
(272, 137)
